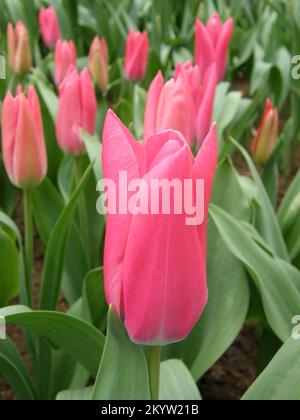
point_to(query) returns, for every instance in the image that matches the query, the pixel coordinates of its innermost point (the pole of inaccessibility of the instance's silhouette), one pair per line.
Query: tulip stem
(28, 243)
(154, 371)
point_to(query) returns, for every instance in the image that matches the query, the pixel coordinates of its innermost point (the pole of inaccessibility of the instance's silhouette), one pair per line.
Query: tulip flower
(19, 51)
(184, 103)
(155, 264)
(65, 56)
(98, 62)
(23, 144)
(49, 26)
(265, 140)
(136, 57)
(77, 110)
(212, 44)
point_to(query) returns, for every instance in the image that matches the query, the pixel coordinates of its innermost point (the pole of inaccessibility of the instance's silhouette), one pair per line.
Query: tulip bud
(136, 57)
(23, 144)
(184, 103)
(19, 52)
(212, 44)
(77, 110)
(65, 56)
(98, 62)
(154, 263)
(49, 26)
(265, 141)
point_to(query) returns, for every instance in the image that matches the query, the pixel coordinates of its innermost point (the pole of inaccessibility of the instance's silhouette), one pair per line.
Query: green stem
(28, 244)
(154, 371)
(83, 217)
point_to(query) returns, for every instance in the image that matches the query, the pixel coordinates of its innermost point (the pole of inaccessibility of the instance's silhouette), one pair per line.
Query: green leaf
(76, 395)
(123, 373)
(277, 280)
(268, 224)
(94, 302)
(9, 269)
(280, 381)
(13, 370)
(55, 254)
(79, 339)
(176, 383)
(94, 151)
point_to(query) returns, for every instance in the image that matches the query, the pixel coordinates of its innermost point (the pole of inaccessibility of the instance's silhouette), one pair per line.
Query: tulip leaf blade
(280, 380)
(122, 361)
(9, 268)
(277, 280)
(56, 249)
(79, 339)
(177, 383)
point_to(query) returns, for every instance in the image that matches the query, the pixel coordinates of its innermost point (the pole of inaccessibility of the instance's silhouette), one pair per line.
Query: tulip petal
(164, 276)
(120, 153)
(205, 53)
(223, 47)
(152, 105)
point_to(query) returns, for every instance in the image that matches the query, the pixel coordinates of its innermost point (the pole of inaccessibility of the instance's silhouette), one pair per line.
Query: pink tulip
(98, 62)
(212, 44)
(77, 110)
(136, 57)
(155, 265)
(19, 51)
(265, 140)
(49, 26)
(65, 56)
(23, 144)
(184, 103)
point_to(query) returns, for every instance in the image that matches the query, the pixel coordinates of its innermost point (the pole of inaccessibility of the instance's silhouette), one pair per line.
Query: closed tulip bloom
(98, 62)
(136, 57)
(155, 264)
(184, 103)
(212, 44)
(265, 140)
(77, 110)
(23, 144)
(49, 26)
(19, 51)
(65, 56)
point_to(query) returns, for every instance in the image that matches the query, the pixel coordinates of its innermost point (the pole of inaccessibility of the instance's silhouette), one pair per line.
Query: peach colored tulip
(265, 141)
(23, 144)
(49, 26)
(154, 264)
(212, 44)
(184, 103)
(65, 56)
(77, 110)
(98, 62)
(19, 51)
(136, 57)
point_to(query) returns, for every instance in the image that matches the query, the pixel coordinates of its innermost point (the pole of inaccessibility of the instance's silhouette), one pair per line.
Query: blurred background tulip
(212, 44)
(65, 56)
(77, 109)
(184, 103)
(23, 144)
(136, 56)
(159, 286)
(49, 26)
(265, 140)
(98, 62)
(18, 45)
